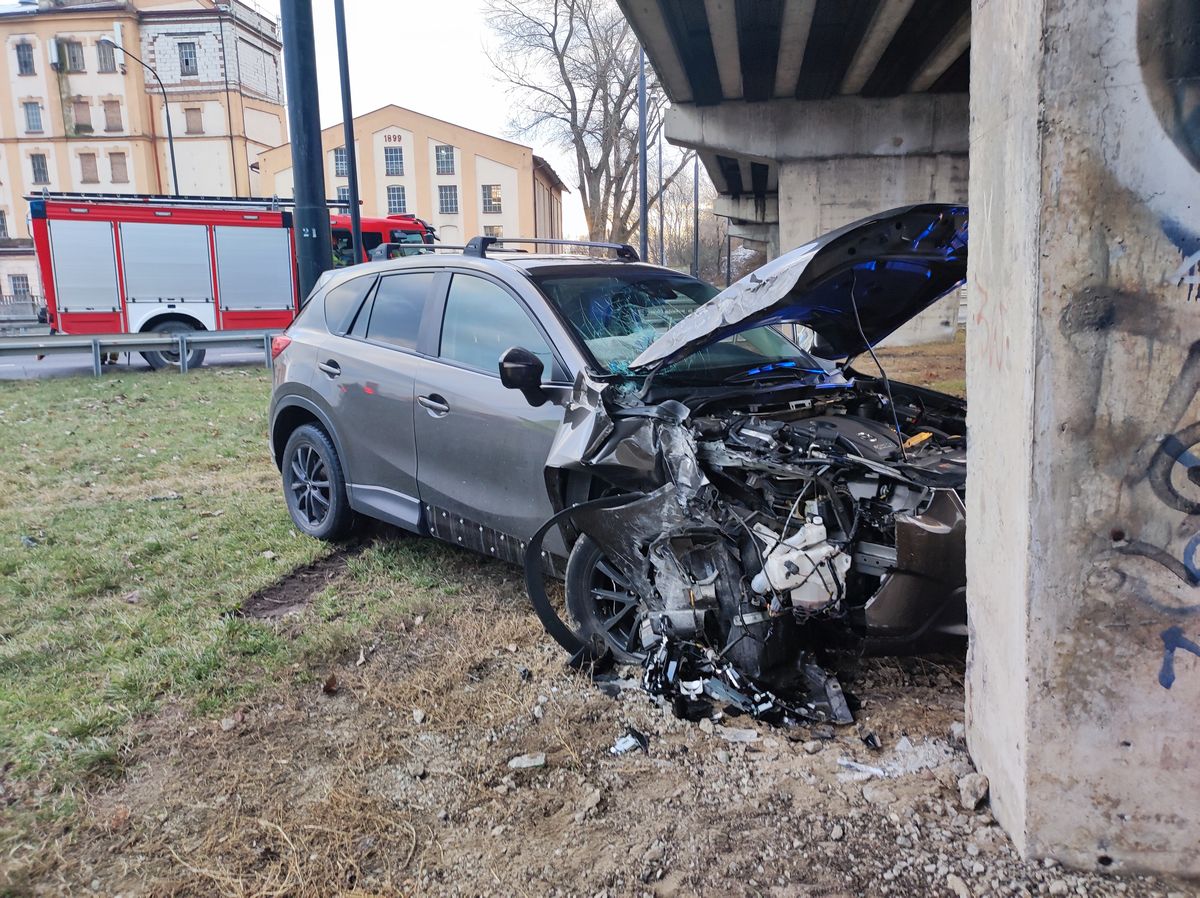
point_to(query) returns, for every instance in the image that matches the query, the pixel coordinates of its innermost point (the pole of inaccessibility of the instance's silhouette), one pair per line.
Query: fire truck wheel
(170, 358)
(313, 485)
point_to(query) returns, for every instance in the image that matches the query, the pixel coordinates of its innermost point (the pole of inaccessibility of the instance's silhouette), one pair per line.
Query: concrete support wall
(1083, 370)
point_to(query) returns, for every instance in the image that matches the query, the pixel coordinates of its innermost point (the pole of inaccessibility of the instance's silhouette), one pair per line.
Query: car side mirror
(521, 370)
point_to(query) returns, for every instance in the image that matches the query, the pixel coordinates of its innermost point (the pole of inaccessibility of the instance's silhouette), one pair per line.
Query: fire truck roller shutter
(85, 266)
(254, 268)
(168, 271)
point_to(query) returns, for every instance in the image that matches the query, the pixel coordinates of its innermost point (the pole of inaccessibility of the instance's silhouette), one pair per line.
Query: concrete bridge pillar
(1083, 349)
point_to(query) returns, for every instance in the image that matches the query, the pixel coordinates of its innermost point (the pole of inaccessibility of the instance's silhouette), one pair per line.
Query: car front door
(366, 375)
(481, 448)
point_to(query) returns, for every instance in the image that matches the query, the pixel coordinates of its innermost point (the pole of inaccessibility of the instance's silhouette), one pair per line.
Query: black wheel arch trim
(296, 401)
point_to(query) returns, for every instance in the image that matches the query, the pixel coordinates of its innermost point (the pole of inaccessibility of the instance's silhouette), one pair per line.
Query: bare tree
(572, 66)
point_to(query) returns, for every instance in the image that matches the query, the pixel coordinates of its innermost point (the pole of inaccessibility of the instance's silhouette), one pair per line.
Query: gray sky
(425, 55)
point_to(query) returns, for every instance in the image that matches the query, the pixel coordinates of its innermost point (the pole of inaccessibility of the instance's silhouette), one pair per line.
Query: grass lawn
(136, 515)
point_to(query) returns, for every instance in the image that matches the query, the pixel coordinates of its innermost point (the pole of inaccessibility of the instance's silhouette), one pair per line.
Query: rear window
(397, 309)
(343, 301)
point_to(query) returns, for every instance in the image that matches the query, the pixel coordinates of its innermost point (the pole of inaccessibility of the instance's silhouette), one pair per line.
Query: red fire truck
(114, 264)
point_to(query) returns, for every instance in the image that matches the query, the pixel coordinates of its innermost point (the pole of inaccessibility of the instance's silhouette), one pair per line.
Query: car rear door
(481, 448)
(366, 376)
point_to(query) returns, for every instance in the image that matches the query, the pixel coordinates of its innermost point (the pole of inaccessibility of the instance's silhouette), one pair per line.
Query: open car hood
(892, 266)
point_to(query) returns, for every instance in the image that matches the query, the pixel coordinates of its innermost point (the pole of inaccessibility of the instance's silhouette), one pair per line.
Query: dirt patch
(398, 782)
(292, 593)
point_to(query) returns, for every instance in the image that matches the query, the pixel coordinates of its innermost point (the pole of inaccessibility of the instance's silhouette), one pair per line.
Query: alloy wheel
(310, 486)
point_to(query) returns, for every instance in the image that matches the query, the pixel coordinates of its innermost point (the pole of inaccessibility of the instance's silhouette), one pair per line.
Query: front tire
(314, 487)
(602, 603)
(169, 358)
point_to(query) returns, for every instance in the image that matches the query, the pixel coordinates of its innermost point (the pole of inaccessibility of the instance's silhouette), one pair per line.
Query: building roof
(540, 164)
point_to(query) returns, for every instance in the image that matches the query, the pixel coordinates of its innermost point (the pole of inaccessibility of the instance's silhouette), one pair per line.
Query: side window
(343, 301)
(396, 312)
(482, 320)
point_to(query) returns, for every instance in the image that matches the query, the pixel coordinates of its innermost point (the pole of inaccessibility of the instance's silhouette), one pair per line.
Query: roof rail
(478, 246)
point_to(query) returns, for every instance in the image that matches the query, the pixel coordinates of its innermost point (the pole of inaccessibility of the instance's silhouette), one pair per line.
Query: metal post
(269, 362)
(314, 249)
(339, 16)
(96, 365)
(696, 216)
(642, 198)
(183, 354)
(662, 258)
(166, 108)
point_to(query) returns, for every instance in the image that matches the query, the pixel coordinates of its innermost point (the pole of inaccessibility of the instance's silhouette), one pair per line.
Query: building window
(340, 168)
(83, 116)
(445, 159)
(120, 168)
(491, 198)
(343, 195)
(187, 59)
(25, 59)
(393, 161)
(87, 166)
(41, 172)
(74, 54)
(104, 52)
(3, 225)
(193, 120)
(112, 115)
(448, 199)
(19, 285)
(33, 117)
(493, 231)
(397, 204)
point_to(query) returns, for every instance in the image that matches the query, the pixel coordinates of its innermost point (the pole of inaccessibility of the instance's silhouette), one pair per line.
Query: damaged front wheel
(602, 603)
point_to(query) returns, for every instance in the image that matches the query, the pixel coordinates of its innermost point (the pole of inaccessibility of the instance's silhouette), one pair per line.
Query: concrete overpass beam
(817, 129)
(748, 208)
(1083, 679)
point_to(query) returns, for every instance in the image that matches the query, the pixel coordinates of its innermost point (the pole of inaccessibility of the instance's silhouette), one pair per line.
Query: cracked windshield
(618, 315)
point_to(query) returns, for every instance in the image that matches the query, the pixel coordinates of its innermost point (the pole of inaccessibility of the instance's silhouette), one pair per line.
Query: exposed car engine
(793, 526)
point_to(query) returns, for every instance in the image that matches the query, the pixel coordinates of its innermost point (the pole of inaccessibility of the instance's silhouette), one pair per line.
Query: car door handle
(332, 368)
(434, 404)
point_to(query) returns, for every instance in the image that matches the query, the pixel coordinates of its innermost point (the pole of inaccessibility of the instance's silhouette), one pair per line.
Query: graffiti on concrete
(1173, 639)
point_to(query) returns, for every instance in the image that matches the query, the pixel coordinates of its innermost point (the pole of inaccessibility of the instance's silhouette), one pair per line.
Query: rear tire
(169, 358)
(314, 487)
(598, 597)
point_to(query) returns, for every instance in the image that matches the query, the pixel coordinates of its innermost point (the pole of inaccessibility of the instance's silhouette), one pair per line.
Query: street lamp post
(166, 108)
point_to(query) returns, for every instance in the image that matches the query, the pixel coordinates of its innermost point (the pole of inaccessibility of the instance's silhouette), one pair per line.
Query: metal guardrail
(100, 344)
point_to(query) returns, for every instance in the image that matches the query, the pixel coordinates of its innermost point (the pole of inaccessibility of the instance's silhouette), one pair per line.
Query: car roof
(496, 260)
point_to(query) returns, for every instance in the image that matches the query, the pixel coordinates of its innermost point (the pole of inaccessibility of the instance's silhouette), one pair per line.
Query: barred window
(74, 53)
(491, 198)
(25, 59)
(188, 65)
(493, 231)
(19, 285)
(445, 159)
(341, 168)
(104, 53)
(41, 171)
(448, 199)
(33, 116)
(393, 161)
(397, 204)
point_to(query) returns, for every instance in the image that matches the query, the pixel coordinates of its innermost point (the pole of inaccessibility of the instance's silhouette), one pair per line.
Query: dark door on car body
(481, 448)
(366, 376)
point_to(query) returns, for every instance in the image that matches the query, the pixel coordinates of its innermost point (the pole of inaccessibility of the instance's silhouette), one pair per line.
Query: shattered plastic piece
(732, 734)
(871, 740)
(633, 739)
(861, 768)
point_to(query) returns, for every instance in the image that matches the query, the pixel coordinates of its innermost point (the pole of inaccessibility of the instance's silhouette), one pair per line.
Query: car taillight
(279, 344)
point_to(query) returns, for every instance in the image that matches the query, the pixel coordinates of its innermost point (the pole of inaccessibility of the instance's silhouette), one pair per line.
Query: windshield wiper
(772, 370)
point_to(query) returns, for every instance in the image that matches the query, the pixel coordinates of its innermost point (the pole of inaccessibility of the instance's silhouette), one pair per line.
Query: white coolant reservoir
(804, 565)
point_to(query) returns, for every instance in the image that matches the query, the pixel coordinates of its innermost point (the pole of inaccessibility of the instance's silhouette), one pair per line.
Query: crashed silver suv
(725, 503)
